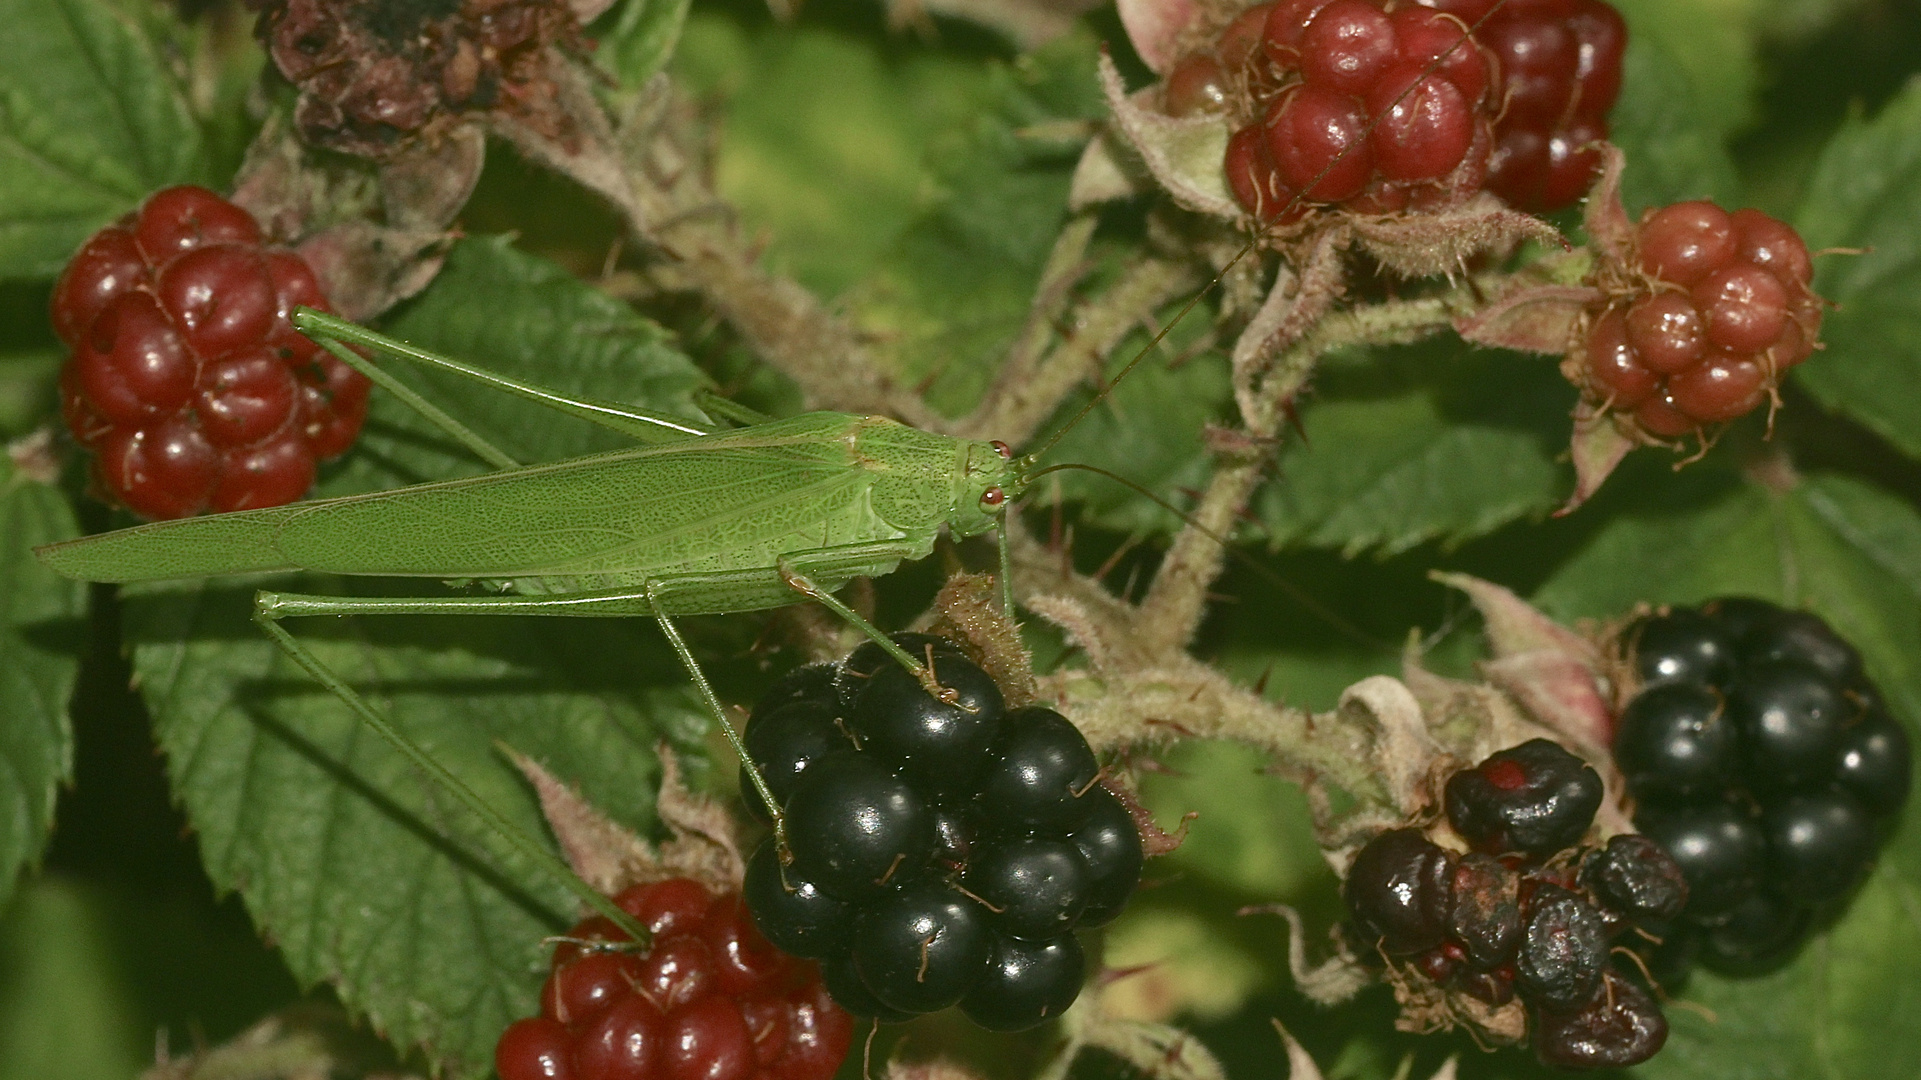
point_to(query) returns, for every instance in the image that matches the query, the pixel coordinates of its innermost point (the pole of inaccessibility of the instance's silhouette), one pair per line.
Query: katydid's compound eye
(993, 497)
(1005, 451)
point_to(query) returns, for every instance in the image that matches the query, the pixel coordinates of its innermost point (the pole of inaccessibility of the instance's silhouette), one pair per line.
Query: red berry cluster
(710, 1000)
(1375, 107)
(1560, 63)
(1721, 306)
(186, 378)
(1529, 912)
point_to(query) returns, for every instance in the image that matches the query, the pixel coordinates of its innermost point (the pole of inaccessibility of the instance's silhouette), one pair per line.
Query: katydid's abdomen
(733, 501)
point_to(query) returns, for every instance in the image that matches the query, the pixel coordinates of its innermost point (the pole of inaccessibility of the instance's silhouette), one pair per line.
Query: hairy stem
(1177, 600)
(1021, 400)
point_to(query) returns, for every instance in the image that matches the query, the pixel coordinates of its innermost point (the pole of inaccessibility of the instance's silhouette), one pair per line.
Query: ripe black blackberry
(939, 852)
(1533, 913)
(1764, 760)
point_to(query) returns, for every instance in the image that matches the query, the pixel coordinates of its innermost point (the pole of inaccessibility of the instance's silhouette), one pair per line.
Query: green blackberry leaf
(1866, 194)
(90, 122)
(42, 627)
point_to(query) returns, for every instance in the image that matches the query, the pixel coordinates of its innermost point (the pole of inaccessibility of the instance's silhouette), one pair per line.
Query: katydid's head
(989, 482)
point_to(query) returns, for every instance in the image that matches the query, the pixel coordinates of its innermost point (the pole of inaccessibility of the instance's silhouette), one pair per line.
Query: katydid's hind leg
(269, 623)
(335, 334)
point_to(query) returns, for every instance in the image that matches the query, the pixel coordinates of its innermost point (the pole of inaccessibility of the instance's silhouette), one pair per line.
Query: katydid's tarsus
(697, 521)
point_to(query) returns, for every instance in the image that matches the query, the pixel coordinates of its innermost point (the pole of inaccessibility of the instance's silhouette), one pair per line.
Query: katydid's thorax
(924, 481)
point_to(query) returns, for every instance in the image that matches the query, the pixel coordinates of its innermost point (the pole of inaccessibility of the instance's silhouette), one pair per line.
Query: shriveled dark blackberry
(1398, 892)
(1635, 876)
(1535, 798)
(1619, 1026)
(1564, 950)
(1484, 913)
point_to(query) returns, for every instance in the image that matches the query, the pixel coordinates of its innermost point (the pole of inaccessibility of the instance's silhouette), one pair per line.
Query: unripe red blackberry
(1338, 106)
(1560, 62)
(186, 377)
(1698, 330)
(708, 999)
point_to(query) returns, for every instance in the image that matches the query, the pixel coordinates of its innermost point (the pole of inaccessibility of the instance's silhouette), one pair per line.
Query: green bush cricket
(696, 520)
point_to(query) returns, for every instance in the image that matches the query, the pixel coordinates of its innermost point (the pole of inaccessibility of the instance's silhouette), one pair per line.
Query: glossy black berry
(860, 665)
(838, 974)
(1564, 950)
(1789, 718)
(1674, 741)
(940, 746)
(1535, 798)
(809, 682)
(854, 826)
(792, 912)
(1802, 638)
(1397, 893)
(1819, 845)
(922, 947)
(955, 829)
(1041, 773)
(1636, 877)
(783, 742)
(1620, 1026)
(1484, 918)
(1721, 853)
(1110, 842)
(1036, 886)
(1682, 646)
(1875, 764)
(1759, 935)
(1027, 983)
(1742, 618)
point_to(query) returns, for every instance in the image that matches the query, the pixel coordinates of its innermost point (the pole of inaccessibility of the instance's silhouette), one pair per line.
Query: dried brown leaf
(1597, 445)
(1416, 245)
(702, 843)
(1604, 218)
(1531, 318)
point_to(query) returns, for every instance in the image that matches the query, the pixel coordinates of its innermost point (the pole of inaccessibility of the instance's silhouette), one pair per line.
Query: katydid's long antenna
(1434, 65)
(1312, 606)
